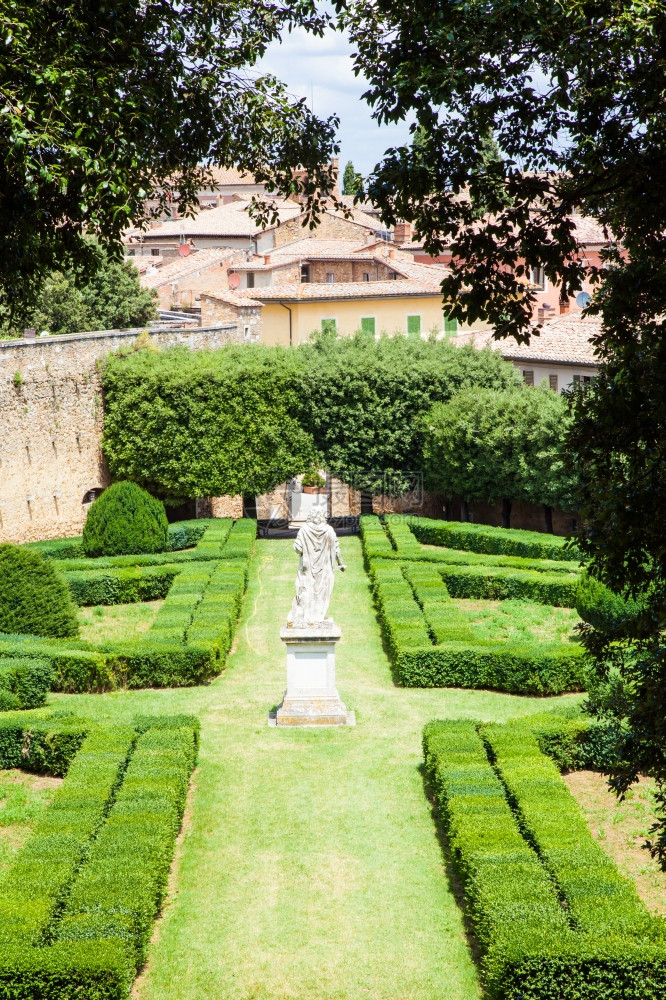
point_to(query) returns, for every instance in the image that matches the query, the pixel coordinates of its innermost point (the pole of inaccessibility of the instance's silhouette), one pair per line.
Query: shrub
(122, 585)
(482, 538)
(517, 839)
(77, 904)
(602, 608)
(24, 683)
(125, 520)
(33, 596)
(497, 584)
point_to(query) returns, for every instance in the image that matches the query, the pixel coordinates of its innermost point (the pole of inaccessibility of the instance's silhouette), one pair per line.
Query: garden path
(310, 867)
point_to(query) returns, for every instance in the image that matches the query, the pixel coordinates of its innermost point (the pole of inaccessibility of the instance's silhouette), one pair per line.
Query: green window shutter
(368, 324)
(450, 325)
(328, 326)
(413, 324)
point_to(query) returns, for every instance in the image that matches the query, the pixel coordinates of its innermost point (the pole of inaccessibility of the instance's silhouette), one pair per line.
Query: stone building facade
(51, 421)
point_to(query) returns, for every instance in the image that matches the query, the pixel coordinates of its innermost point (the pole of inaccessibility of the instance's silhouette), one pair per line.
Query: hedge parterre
(202, 589)
(552, 914)
(430, 640)
(77, 905)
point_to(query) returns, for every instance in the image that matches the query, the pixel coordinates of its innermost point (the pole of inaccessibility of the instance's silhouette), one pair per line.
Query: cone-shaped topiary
(34, 598)
(125, 520)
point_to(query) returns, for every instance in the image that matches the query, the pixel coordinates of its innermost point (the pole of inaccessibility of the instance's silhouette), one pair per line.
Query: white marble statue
(319, 550)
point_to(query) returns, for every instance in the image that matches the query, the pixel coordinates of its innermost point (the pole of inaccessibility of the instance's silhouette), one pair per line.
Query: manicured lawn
(519, 621)
(309, 867)
(116, 622)
(22, 798)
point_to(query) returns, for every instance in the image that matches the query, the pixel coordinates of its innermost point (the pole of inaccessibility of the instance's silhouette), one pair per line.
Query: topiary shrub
(125, 520)
(34, 598)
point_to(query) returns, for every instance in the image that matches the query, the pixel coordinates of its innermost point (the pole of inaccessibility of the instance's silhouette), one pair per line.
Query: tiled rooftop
(337, 290)
(225, 220)
(561, 340)
(180, 267)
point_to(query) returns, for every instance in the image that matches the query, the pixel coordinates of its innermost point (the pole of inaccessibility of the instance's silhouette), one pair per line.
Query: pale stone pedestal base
(311, 698)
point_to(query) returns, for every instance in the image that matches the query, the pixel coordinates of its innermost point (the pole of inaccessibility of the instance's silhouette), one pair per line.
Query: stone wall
(348, 270)
(220, 311)
(331, 227)
(50, 425)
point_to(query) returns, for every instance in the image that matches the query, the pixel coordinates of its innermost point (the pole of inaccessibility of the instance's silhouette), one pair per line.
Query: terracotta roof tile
(225, 220)
(180, 267)
(337, 290)
(561, 340)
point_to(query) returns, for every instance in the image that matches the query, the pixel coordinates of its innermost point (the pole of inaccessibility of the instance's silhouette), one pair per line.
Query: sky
(320, 69)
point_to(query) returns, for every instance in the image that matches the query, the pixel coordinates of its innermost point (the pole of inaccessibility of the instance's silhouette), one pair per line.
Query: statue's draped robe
(318, 547)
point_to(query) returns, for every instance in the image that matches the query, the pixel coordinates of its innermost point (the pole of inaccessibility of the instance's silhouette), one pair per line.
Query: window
(585, 379)
(130, 253)
(155, 252)
(413, 324)
(450, 325)
(305, 273)
(250, 279)
(552, 382)
(329, 326)
(368, 324)
(528, 377)
(538, 277)
(330, 277)
(366, 276)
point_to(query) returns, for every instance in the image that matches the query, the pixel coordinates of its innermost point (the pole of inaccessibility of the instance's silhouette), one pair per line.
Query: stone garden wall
(51, 420)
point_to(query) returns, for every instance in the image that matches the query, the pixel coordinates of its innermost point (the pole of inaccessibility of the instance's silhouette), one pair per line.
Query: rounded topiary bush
(125, 520)
(34, 598)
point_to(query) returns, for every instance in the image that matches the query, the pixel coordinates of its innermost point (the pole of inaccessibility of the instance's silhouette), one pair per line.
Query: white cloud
(321, 70)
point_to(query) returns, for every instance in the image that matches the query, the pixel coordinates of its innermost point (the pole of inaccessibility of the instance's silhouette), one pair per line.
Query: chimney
(29, 333)
(391, 253)
(540, 314)
(267, 258)
(564, 306)
(402, 232)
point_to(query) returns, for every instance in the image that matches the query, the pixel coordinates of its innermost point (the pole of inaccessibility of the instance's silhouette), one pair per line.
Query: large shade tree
(574, 95)
(107, 104)
(508, 445)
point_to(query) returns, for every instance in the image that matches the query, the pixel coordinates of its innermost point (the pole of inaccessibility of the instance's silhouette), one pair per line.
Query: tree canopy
(573, 93)
(373, 394)
(489, 445)
(351, 181)
(107, 104)
(111, 299)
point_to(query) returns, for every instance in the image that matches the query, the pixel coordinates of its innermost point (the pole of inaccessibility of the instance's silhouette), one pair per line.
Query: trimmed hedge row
(531, 945)
(533, 669)
(42, 872)
(376, 544)
(40, 745)
(24, 682)
(180, 535)
(494, 584)
(500, 541)
(122, 585)
(76, 907)
(600, 900)
(120, 888)
(407, 547)
(183, 647)
(415, 611)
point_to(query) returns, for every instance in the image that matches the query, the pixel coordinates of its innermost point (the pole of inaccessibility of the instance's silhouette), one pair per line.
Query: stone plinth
(311, 698)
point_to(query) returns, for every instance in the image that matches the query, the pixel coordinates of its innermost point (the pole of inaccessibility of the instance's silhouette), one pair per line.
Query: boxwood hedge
(552, 916)
(77, 904)
(24, 682)
(191, 635)
(431, 643)
(483, 538)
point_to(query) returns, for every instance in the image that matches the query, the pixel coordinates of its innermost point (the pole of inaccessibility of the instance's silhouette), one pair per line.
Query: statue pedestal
(311, 698)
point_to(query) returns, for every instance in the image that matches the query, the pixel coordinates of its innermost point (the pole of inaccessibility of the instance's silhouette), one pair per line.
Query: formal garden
(158, 838)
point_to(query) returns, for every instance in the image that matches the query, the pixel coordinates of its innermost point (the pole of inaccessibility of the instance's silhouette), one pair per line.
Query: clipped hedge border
(77, 905)
(601, 944)
(406, 546)
(499, 541)
(120, 585)
(24, 682)
(183, 647)
(180, 535)
(415, 611)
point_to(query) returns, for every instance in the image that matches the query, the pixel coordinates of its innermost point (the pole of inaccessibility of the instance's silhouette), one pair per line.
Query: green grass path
(310, 868)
